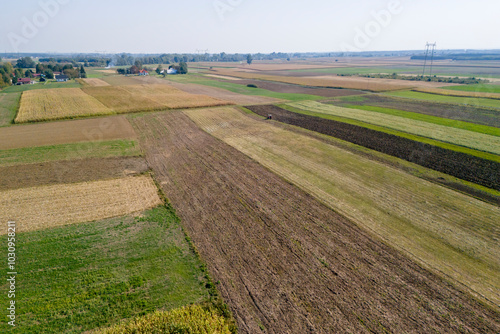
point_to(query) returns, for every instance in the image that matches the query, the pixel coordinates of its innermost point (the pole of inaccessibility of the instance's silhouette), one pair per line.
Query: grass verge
(8, 107)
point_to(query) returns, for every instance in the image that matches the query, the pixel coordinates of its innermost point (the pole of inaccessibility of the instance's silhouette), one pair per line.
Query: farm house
(62, 78)
(25, 81)
(143, 72)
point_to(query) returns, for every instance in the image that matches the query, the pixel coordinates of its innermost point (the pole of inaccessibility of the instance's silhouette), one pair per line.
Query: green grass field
(480, 154)
(48, 85)
(96, 149)
(431, 119)
(487, 103)
(8, 107)
(80, 277)
(478, 141)
(483, 88)
(242, 89)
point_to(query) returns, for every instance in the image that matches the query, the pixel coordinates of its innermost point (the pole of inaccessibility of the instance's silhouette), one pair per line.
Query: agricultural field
(73, 131)
(459, 112)
(70, 171)
(485, 88)
(94, 82)
(468, 93)
(450, 233)
(51, 104)
(480, 141)
(278, 91)
(43, 86)
(84, 276)
(270, 244)
(135, 98)
(73, 151)
(224, 94)
(463, 166)
(472, 101)
(35, 207)
(367, 84)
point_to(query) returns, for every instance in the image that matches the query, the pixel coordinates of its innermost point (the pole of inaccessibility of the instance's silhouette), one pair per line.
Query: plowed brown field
(72, 171)
(286, 263)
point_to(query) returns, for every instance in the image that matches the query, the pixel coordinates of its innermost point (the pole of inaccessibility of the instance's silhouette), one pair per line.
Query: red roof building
(24, 81)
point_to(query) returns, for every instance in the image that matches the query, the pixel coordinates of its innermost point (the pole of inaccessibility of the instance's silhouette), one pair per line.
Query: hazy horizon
(239, 26)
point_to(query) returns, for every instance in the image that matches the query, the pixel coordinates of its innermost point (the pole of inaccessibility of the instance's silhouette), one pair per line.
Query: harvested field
(475, 140)
(59, 103)
(98, 129)
(120, 80)
(44, 207)
(465, 113)
(224, 94)
(447, 92)
(134, 98)
(94, 82)
(296, 89)
(73, 171)
(285, 262)
(465, 167)
(367, 84)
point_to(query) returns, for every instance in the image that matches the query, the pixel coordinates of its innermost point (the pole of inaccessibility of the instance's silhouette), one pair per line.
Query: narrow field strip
(56, 205)
(65, 132)
(487, 103)
(444, 230)
(74, 152)
(489, 130)
(447, 92)
(478, 141)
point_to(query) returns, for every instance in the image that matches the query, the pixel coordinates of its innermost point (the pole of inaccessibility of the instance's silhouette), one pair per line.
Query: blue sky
(244, 26)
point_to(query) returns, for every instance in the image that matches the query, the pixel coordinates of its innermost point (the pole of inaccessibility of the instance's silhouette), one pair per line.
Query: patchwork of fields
(446, 231)
(278, 253)
(471, 139)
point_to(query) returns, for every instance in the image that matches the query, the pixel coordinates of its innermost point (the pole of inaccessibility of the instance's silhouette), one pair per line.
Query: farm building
(143, 72)
(25, 81)
(61, 78)
(171, 71)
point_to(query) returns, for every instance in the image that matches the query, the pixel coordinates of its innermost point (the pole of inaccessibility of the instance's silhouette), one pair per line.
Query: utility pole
(429, 48)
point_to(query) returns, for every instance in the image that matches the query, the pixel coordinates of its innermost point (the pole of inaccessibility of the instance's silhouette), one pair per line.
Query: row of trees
(182, 68)
(68, 69)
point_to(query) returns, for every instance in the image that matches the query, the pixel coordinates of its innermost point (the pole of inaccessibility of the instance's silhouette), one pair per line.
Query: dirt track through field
(64, 132)
(286, 263)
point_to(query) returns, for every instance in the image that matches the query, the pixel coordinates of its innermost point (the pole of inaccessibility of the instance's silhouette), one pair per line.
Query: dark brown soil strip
(466, 167)
(72, 171)
(285, 262)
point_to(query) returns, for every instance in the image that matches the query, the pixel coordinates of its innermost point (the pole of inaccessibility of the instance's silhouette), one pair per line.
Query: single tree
(83, 74)
(28, 74)
(183, 67)
(159, 69)
(249, 59)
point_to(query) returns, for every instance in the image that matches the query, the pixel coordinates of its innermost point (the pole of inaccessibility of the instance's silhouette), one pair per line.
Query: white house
(171, 71)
